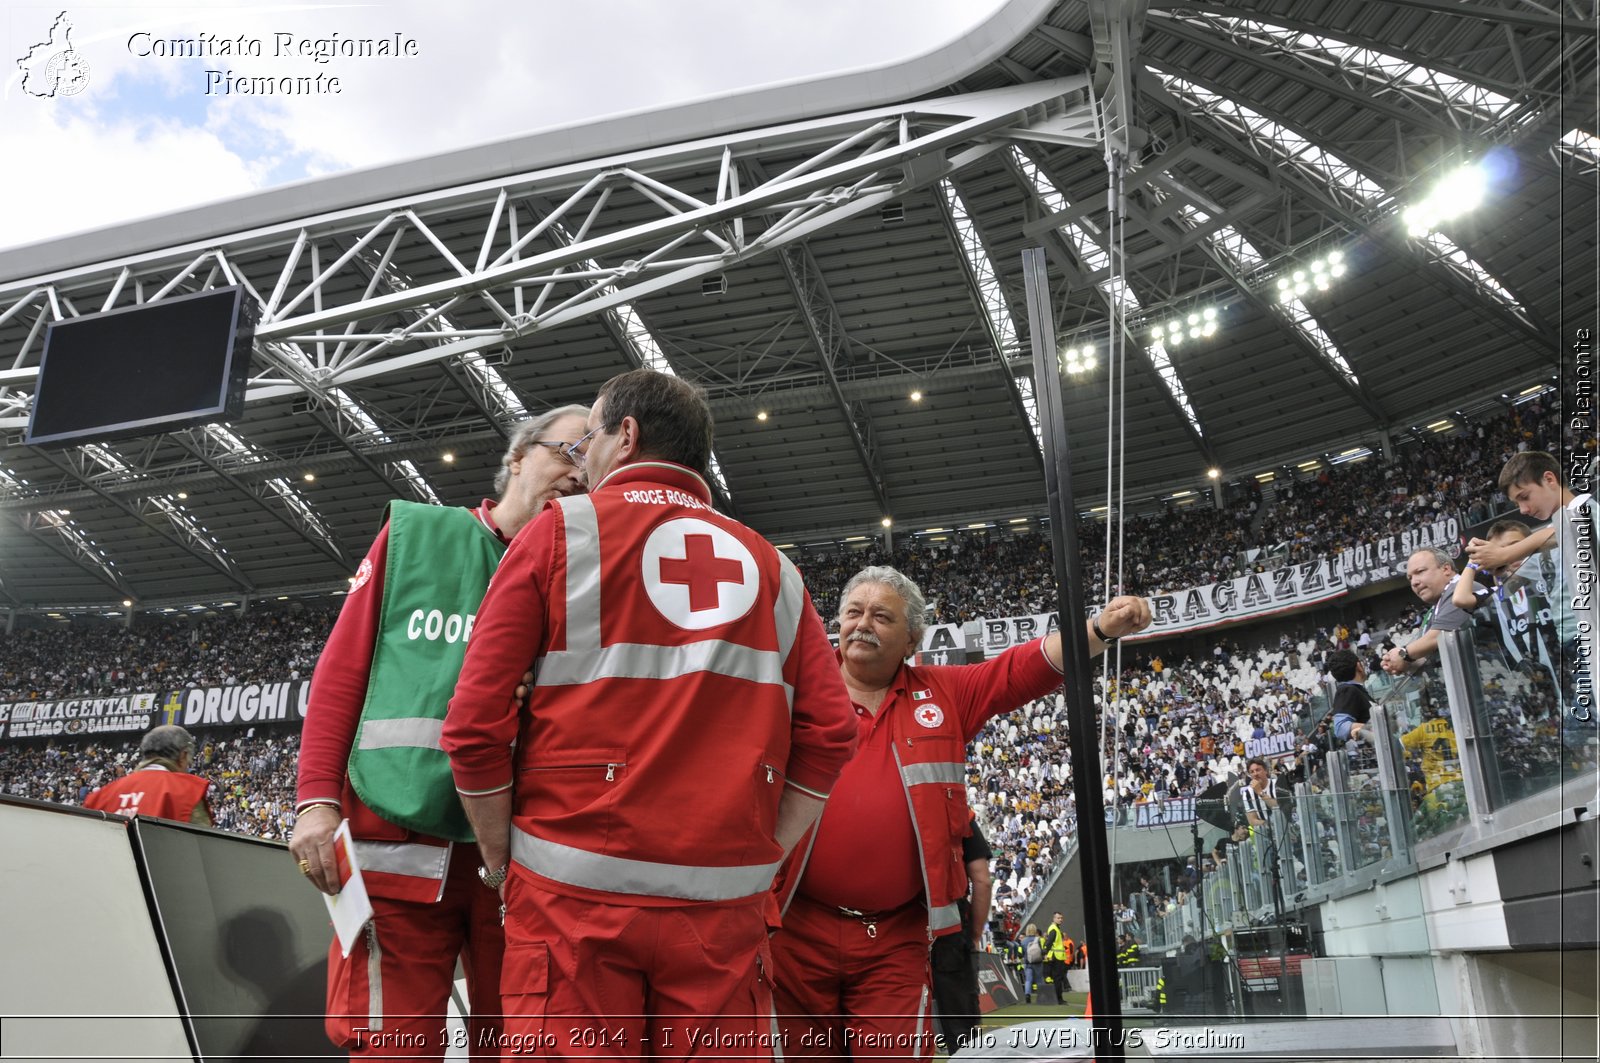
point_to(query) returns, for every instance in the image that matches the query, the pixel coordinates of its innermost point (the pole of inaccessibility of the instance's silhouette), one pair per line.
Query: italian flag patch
(921, 695)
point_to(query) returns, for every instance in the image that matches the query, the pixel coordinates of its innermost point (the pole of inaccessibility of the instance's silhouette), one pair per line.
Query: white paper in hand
(351, 907)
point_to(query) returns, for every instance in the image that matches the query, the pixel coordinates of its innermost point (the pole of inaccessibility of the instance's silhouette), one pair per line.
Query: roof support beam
(828, 336)
(328, 415)
(1377, 103)
(1118, 26)
(75, 550)
(1269, 310)
(850, 164)
(1507, 14)
(832, 343)
(556, 236)
(976, 293)
(1446, 280)
(316, 535)
(1442, 65)
(1419, 116)
(467, 371)
(476, 396)
(183, 537)
(1064, 251)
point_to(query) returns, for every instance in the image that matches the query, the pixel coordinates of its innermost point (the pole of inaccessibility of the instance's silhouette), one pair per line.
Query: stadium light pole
(1084, 738)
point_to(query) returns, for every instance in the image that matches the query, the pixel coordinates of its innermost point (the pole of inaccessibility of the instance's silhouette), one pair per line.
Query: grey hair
(169, 742)
(1440, 555)
(525, 435)
(895, 580)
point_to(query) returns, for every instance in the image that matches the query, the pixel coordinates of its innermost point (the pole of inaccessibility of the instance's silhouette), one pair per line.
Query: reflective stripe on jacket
(651, 759)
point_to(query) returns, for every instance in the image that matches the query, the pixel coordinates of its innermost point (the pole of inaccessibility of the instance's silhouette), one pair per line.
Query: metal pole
(1084, 738)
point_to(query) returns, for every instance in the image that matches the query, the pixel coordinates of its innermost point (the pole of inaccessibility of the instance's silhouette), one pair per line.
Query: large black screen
(152, 368)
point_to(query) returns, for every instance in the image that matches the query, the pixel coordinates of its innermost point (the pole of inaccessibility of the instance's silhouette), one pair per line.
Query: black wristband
(1101, 635)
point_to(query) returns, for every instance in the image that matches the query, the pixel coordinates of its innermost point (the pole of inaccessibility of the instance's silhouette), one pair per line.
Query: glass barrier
(1315, 906)
(1415, 729)
(1532, 738)
(1321, 879)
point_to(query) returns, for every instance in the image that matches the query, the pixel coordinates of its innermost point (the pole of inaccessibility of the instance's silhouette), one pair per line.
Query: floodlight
(1459, 192)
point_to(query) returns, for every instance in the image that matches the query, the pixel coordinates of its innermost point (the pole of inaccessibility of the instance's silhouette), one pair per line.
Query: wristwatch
(1405, 654)
(493, 879)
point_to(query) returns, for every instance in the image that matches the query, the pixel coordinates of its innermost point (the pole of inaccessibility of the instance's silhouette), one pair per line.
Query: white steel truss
(1361, 193)
(58, 523)
(992, 299)
(97, 465)
(1581, 146)
(219, 447)
(471, 248)
(1237, 248)
(1467, 104)
(1115, 289)
(633, 337)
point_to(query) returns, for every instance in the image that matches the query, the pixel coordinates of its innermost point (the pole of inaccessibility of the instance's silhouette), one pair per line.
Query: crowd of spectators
(1177, 727)
(251, 771)
(1177, 730)
(159, 652)
(970, 576)
(1435, 478)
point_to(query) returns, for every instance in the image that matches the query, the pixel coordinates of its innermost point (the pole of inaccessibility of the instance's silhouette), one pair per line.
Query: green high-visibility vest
(436, 569)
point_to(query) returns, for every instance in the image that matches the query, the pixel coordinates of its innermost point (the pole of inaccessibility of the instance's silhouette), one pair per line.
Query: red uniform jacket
(934, 712)
(152, 791)
(683, 678)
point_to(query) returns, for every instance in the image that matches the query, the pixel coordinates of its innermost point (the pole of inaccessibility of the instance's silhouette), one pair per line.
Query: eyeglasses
(569, 452)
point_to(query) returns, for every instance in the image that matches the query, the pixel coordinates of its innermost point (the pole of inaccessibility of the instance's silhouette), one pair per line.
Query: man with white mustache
(879, 876)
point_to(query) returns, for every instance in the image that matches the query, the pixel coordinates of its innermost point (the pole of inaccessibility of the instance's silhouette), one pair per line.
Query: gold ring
(305, 867)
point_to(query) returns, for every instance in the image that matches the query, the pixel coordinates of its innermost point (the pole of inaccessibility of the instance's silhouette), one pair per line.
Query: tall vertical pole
(1084, 738)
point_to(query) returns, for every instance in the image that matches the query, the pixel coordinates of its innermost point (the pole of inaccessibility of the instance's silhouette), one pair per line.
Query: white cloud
(143, 138)
(87, 175)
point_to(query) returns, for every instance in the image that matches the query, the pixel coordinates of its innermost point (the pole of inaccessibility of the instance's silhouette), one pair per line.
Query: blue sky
(144, 138)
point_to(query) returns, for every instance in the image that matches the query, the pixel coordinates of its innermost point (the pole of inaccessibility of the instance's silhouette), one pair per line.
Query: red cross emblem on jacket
(697, 575)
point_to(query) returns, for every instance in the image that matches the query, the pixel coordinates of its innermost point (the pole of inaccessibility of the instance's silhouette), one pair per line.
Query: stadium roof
(818, 251)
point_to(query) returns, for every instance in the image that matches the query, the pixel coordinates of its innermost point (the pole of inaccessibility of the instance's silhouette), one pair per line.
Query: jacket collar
(657, 472)
(485, 513)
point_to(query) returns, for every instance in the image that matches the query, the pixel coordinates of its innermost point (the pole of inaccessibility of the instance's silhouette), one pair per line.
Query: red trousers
(844, 992)
(388, 999)
(584, 979)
